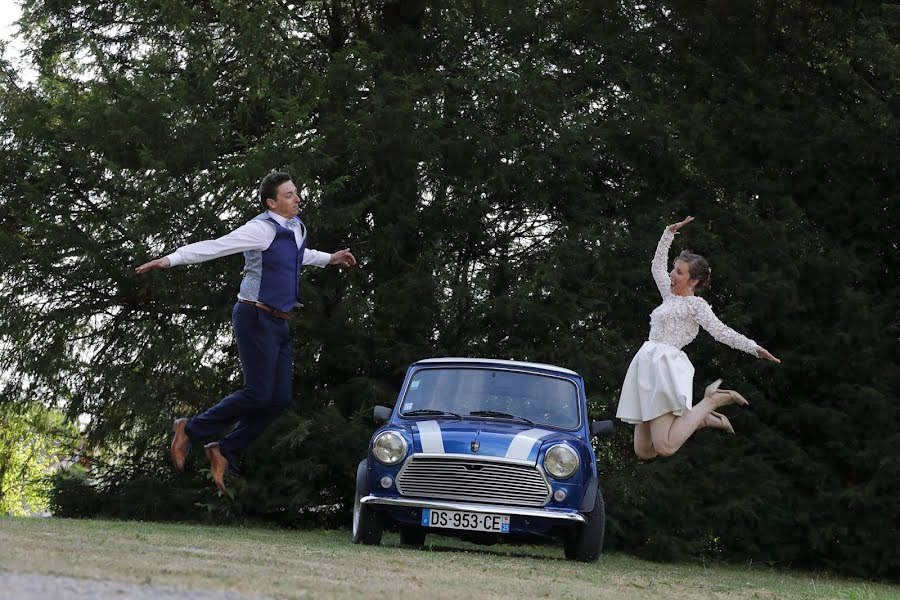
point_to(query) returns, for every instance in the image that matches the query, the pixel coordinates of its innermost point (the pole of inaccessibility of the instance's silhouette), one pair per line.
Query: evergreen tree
(503, 171)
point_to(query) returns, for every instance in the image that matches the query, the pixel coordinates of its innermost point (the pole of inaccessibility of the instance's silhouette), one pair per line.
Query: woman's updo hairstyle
(698, 268)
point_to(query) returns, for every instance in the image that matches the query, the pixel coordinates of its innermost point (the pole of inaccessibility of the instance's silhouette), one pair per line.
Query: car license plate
(454, 519)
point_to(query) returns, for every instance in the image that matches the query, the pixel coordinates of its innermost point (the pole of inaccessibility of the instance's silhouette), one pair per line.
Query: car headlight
(389, 447)
(560, 461)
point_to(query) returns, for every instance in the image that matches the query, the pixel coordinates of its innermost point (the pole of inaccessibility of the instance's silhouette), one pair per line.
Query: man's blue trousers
(264, 348)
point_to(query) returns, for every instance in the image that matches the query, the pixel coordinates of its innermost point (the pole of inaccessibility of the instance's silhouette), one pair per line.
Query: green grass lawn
(324, 564)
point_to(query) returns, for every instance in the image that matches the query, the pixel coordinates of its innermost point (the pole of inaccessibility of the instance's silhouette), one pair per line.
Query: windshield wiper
(430, 412)
(498, 414)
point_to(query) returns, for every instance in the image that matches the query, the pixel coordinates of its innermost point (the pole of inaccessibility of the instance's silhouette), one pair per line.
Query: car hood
(484, 438)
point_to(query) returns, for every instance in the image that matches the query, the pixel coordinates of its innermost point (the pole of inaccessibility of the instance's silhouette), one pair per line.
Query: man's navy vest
(272, 276)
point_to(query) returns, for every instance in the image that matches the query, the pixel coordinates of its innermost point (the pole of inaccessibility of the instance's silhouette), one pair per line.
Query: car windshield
(492, 394)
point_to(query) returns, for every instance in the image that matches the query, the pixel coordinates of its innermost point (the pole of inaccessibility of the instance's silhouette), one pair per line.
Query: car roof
(495, 362)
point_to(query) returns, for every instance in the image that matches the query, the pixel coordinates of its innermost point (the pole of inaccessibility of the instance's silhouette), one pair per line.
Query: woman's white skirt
(660, 380)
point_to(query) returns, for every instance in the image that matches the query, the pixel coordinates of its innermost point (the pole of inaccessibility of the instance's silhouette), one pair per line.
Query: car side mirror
(601, 428)
(381, 414)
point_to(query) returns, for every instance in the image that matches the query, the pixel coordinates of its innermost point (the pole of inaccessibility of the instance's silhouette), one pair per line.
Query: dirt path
(27, 586)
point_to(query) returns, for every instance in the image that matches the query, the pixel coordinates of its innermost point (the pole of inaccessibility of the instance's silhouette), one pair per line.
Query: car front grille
(470, 480)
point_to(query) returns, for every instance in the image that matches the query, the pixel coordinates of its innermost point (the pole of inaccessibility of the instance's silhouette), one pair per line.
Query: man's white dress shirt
(255, 235)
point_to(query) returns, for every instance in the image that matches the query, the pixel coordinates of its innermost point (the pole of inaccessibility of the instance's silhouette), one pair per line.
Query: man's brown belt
(278, 313)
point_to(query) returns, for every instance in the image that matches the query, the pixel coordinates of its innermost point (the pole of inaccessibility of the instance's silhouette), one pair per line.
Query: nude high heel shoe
(712, 388)
(738, 398)
(726, 424)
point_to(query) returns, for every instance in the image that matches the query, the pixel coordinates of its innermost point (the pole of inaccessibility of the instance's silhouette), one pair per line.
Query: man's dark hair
(269, 186)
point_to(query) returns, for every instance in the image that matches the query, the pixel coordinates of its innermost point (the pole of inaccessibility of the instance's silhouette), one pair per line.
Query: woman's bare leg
(643, 442)
(669, 432)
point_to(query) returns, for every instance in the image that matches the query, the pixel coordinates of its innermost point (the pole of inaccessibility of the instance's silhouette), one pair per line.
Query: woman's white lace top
(675, 322)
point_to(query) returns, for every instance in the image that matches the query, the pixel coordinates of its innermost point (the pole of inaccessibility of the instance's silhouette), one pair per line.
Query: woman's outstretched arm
(660, 265)
(704, 315)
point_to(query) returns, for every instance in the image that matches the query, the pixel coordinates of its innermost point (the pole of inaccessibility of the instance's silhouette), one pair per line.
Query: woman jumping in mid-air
(656, 394)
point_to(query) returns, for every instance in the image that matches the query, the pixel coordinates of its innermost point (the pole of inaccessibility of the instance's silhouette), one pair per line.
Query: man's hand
(763, 353)
(676, 226)
(159, 263)
(342, 258)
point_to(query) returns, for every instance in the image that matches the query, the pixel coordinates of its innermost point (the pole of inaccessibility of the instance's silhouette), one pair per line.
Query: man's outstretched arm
(343, 258)
(159, 263)
(254, 235)
(316, 258)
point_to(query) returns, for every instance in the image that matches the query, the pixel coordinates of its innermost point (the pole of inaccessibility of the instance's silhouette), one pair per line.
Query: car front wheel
(367, 523)
(586, 541)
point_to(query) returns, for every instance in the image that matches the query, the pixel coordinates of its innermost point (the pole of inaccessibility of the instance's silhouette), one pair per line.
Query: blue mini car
(487, 450)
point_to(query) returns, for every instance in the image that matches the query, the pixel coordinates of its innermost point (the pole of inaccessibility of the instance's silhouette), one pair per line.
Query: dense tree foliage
(503, 170)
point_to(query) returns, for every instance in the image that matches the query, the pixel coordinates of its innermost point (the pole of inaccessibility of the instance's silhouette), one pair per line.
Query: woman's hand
(676, 226)
(763, 353)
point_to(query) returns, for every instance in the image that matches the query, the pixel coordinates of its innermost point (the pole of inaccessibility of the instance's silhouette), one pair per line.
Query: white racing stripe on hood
(521, 446)
(430, 437)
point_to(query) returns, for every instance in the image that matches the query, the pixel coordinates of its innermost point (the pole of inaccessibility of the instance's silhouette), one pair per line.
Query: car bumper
(568, 516)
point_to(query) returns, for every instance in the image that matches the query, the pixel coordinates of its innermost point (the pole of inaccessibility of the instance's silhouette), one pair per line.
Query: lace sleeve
(660, 265)
(707, 319)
